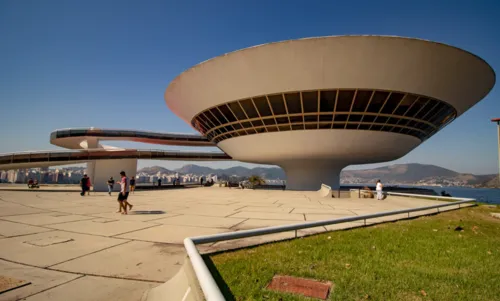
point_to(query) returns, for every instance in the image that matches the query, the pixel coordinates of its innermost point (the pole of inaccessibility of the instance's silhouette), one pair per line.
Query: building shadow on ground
(225, 290)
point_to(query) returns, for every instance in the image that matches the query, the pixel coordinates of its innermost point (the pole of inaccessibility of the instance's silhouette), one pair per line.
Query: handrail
(425, 196)
(209, 286)
(121, 129)
(91, 131)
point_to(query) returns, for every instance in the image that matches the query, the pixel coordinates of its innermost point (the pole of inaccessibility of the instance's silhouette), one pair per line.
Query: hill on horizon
(401, 172)
(397, 173)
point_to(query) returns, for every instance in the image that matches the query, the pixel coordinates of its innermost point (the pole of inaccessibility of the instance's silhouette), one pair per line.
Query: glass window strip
(259, 129)
(352, 105)
(367, 105)
(302, 107)
(238, 121)
(335, 106)
(381, 108)
(432, 109)
(398, 117)
(407, 110)
(272, 111)
(203, 122)
(258, 113)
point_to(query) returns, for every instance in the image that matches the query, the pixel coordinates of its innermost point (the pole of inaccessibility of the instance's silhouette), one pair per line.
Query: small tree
(256, 180)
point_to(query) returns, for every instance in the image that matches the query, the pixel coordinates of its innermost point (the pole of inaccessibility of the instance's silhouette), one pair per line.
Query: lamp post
(497, 121)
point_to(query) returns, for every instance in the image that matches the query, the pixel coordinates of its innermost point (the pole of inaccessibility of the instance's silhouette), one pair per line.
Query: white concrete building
(314, 106)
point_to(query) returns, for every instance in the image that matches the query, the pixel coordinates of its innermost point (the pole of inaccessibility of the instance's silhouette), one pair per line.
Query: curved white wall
(372, 62)
(347, 146)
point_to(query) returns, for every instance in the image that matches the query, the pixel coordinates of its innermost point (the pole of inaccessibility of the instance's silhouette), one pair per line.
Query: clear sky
(107, 63)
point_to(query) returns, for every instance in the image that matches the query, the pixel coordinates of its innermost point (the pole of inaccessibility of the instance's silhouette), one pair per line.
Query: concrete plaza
(78, 248)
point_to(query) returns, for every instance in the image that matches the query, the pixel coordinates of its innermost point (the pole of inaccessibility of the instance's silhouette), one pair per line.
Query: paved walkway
(77, 248)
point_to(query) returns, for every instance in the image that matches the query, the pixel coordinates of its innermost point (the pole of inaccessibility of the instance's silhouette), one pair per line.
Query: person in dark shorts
(123, 195)
(111, 182)
(84, 183)
(132, 184)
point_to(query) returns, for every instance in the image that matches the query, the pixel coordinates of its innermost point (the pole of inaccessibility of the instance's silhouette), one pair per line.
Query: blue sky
(107, 63)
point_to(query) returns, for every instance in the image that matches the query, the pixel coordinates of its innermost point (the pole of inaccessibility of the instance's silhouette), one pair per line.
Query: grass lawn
(420, 259)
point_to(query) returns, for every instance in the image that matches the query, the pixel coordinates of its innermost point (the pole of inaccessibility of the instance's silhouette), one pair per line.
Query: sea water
(483, 195)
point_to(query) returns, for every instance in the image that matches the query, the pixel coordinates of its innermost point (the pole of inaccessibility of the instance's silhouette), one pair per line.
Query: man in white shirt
(379, 190)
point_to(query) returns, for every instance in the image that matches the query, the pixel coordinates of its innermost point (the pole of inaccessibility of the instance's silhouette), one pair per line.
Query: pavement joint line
(44, 225)
(232, 214)
(3, 200)
(104, 276)
(197, 214)
(75, 273)
(55, 286)
(20, 235)
(24, 214)
(67, 222)
(233, 226)
(291, 210)
(155, 225)
(75, 232)
(81, 256)
(240, 208)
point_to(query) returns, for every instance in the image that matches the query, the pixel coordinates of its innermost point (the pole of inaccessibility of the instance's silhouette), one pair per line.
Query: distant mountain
(400, 173)
(240, 171)
(418, 174)
(152, 170)
(492, 182)
(195, 169)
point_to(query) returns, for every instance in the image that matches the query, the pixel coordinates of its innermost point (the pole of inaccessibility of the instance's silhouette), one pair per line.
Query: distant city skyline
(60, 70)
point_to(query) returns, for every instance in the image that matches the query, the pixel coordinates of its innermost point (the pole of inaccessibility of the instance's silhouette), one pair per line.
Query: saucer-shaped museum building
(314, 106)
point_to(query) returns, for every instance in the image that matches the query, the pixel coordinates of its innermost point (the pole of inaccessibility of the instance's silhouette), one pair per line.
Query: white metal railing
(205, 279)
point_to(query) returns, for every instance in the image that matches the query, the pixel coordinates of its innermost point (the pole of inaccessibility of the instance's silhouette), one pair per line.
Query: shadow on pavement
(147, 212)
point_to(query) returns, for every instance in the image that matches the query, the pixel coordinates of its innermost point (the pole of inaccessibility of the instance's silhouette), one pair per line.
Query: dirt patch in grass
(420, 259)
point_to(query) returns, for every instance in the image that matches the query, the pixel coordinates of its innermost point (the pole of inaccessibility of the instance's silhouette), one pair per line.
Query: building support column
(308, 175)
(104, 169)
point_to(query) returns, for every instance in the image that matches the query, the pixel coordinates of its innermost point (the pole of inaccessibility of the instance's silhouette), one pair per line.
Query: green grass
(420, 259)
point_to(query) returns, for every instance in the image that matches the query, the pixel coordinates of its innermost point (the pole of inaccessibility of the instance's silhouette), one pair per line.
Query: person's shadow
(147, 212)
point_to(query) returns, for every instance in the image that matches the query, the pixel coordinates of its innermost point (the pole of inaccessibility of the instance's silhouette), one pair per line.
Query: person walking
(111, 182)
(132, 184)
(84, 184)
(379, 190)
(89, 185)
(123, 195)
